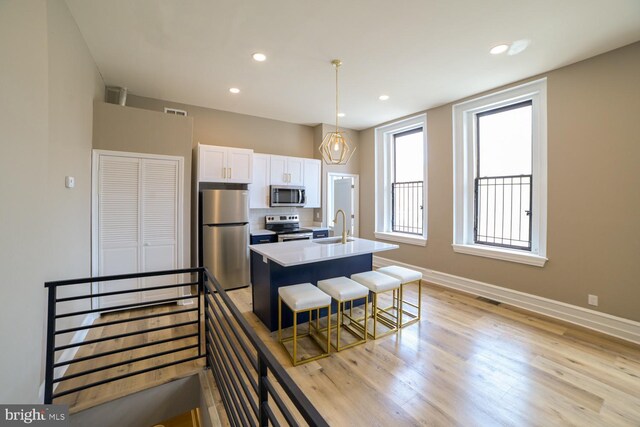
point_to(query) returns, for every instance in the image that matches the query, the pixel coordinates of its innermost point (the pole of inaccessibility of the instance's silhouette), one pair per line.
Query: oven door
(294, 236)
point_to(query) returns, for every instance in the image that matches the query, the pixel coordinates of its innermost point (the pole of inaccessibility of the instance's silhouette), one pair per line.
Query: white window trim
(383, 174)
(464, 168)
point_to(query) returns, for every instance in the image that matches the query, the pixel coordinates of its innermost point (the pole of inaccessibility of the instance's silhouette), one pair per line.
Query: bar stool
(304, 298)
(379, 283)
(345, 290)
(406, 277)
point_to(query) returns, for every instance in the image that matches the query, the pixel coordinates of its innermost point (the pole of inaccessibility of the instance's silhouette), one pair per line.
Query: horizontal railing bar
(216, 374)
(307, 410)
(229, 362)
(132, 319)
(505, 176)
(272, 416)
(128, 334)
(243, 344)
(242, 362)
(252, 359)
(279, 402)
(233, 392)
(123, 376)
(126, 291)
(233, 365)
(122, 277)
(120, 350)
(121, 307)
(125, 362)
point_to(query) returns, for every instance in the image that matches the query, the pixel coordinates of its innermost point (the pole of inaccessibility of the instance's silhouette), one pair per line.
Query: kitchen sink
(331, 240)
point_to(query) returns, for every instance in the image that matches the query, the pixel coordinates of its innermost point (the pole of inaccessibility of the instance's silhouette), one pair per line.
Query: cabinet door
(279, 175)
(212, 162)
(312, 175)
(240, 165)
(259, 188)
(295, 169)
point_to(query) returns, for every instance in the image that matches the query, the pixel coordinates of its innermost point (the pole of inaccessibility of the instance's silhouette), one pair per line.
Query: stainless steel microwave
(287, 196)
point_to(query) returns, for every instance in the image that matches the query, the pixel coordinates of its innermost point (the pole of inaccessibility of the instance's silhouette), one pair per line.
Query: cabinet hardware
(229, 173)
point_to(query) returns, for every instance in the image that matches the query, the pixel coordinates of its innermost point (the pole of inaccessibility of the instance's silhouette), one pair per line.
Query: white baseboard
(70, 353)
(618, 327)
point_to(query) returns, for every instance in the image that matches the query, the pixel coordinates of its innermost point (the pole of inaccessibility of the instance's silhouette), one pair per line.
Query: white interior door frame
(328, 202)
(95, 230)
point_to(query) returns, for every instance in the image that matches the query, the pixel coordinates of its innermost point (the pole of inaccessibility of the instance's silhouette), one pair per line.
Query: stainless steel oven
(287, 196)
(294, 236)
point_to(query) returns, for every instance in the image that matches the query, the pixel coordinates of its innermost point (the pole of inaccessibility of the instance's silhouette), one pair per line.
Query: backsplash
(256, 216)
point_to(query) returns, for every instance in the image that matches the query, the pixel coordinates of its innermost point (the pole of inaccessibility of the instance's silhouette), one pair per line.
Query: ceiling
(422, 53)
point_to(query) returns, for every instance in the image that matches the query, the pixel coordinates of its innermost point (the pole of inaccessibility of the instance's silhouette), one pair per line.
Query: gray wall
(593, 191)
(215, 127)
(48, 81)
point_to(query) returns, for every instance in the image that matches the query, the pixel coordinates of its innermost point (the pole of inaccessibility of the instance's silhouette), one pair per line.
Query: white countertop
(260, 232)
(314, 228)
(307, 251)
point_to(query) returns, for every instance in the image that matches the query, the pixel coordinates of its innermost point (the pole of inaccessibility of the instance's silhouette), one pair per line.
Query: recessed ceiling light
(341, 114)
(260, 57)
(518, 46)
(383, 97)
(497, 50)
(234, 90)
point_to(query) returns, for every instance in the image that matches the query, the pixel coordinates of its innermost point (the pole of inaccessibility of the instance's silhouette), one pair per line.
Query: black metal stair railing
(248, 376)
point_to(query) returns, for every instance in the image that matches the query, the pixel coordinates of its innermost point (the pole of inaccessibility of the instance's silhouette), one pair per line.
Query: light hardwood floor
(472, 363)
(467, 363)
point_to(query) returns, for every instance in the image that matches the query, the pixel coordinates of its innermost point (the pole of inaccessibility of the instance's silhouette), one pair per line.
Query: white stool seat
(376, 282)
(405, 275)
(343, 289)
(304, 296)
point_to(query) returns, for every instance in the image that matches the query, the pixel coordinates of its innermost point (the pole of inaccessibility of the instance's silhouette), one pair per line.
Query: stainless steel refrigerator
(225, 236)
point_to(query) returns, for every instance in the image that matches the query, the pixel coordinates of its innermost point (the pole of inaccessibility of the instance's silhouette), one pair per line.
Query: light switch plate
(593, 300)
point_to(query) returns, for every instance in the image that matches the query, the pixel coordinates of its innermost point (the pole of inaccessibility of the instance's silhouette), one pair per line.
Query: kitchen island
(288, 263)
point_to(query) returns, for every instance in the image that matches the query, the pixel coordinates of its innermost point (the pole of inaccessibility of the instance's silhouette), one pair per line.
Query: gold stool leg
(295, 338)
(366, 304)
(279, 319)
(400, 299)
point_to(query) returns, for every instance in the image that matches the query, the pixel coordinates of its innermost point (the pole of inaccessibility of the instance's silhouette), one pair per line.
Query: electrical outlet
(593, 300)
(317, 215)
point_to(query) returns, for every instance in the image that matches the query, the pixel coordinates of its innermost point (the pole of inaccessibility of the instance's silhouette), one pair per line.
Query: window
(500, 175)
(401, 181)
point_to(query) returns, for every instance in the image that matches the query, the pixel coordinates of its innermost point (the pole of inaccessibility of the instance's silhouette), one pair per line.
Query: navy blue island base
(268, 276)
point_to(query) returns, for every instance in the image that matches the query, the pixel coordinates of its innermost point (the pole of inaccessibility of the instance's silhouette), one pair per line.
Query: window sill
(502, 254)
(401, 238)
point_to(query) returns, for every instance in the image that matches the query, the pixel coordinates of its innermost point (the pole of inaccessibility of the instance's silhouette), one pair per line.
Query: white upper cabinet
(312, 178)
(287, 170)
(259, 188)
(224, 164)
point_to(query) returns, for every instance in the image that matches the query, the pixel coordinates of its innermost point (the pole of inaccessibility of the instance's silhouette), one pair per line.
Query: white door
(212, 163)
(240, 165)
(159, 206)
(138, 223)
(343, 199)
(118, 229)
(259, 188)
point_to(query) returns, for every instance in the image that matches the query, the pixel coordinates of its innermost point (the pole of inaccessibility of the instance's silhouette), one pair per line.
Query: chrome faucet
(344, 225)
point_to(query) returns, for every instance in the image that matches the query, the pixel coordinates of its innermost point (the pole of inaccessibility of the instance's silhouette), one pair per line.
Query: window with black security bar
(503, 181)
(407, 185)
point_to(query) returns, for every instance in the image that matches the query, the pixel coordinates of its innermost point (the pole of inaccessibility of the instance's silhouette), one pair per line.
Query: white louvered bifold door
(118, 226)
(138, 215)
(159, 224)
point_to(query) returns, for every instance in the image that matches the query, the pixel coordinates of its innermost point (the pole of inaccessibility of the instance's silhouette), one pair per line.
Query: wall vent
(175, 111)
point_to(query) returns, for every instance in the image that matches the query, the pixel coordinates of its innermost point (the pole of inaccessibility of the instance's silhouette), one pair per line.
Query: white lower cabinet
(137, 223)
